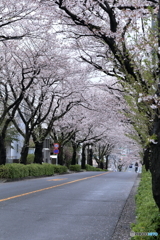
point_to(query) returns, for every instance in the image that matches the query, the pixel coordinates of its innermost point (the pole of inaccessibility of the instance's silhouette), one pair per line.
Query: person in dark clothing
(136, 167)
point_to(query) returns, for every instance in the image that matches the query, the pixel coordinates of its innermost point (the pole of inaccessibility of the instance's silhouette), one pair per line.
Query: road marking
(57, 179)
(43, 189)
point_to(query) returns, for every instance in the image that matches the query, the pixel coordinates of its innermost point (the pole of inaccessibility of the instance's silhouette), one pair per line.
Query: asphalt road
(78, 206)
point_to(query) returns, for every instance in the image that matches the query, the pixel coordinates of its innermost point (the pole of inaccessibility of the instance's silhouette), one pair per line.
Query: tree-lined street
(81, 206)
(83, 76)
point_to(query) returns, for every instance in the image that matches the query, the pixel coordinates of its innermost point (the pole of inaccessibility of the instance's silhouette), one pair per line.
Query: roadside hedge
(91, 168)
(17, 170)
(14, 170)
(75, 168)
(30, 158)
(60, 168)
(36, 170)
(147, 212)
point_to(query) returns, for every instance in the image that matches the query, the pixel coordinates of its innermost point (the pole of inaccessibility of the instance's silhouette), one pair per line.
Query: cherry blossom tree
(13, 77)
(116, 38)
(18, 21)
(103, 151)
(91, 122)
(120, 42)
(67, 127)
(23, 19)
(56, 89)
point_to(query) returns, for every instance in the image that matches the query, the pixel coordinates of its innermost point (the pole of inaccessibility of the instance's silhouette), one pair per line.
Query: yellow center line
(43, 189)
(57, 179)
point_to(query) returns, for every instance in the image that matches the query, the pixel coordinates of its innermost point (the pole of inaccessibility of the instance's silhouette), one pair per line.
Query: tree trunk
(25, 148)
(83, 162)
(154, 159)
(60, 155)
(146, 158)
(155, 162)
(2, 142)
(90, 156)
(106, 166)
(155, 171)
(2, 151)
(74, 155)
(155, 148)
(38, 158)
(101, 164)
(87, 154)
(24, 154)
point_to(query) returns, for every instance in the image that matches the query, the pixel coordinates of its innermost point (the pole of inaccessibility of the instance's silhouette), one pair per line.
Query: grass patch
(148, 215)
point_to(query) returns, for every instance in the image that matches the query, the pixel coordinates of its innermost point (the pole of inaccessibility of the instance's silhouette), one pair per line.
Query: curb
(3, 180)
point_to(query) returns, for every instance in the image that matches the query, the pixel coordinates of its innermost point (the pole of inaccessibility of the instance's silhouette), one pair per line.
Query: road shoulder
(122, 230)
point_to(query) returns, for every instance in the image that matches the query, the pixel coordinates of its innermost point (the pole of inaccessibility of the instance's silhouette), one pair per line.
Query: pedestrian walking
(136, 167)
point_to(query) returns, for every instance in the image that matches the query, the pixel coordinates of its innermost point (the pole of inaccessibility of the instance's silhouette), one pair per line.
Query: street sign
(56, 151)
(56, 145)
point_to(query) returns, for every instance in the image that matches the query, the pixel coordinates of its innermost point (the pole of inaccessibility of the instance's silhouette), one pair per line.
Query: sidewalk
(122, 230)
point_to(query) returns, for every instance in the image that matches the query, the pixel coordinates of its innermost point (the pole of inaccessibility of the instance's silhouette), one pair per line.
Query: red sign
(56, 145)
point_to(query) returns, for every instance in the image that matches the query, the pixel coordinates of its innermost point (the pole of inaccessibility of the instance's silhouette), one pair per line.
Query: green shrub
(14, 170)
(17, 170)
(30, 158)
(60, 169)
(148, 216)
(91, 168)
(76, 168)
(4, 172)
(49, 169)
(36, 170)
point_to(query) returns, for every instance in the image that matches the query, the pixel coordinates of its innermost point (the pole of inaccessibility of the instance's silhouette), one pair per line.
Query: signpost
(56, 151)
(56, 145)
(56, 148)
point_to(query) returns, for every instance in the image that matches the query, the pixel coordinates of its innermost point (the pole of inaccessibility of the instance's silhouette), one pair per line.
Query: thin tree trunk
(25, 148)
(2, 151)
(90, 155)
(83, 162)
(60, 155)
(74, 155)
(87, 154)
